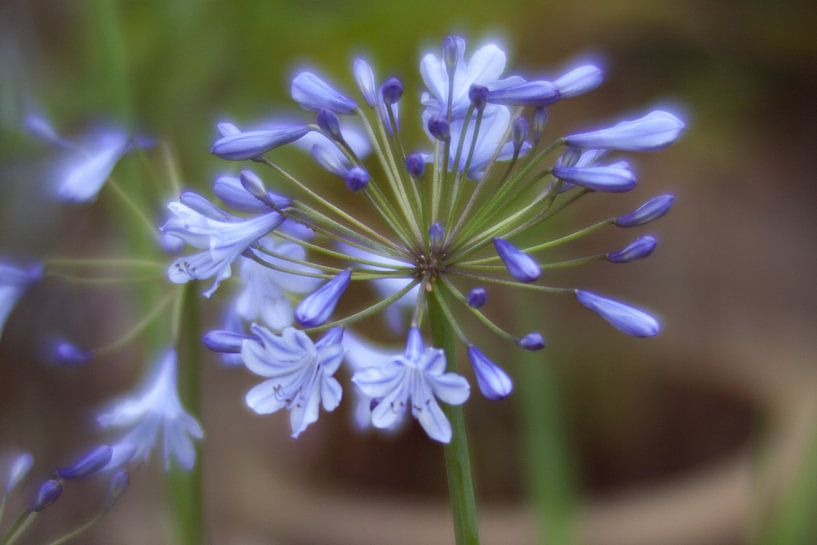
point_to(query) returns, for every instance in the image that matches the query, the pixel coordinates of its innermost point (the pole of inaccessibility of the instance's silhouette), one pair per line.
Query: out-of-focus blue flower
(519, 264)
(638, 249)
(91, 462)
(17, 470)
(318, 306)
(438, 128)
(614, 178)
(477, 297)
(493, 381)
(415, 164)
(313, 93)
(222, 241)
(532, 342)
(299, 372)
(647, 212)
(627, 319)
(415, 379)
(153, 414)
(65, 353)
(391, 90)
(119, 483)
(579, 80)
(14, 281)
(48, 493)
(654, 131)
(253, 144)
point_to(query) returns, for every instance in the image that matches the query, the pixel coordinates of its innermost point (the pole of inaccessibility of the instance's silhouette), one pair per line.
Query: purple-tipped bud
(313, 93)
(364, 76)
(93, 461)
(529, 93)
(436, 234)
(46, 495)
(66, 353)
(254, 144)
(450, 52)
(391, 90)
(478, 95)
(638, 249)
(477, 297)
(415, 164)
(579, 80)
(493, 382)
(540, 121)
(519, 264)
(627, 319)
(18, 469)
(615, 178)
(439, 128)
(119, 483)
(654, 131)
(531, 342)
(223, 341)
(231, 190)
(647, 212)
(519, 132)
(318, 306)
(356, 178)
(330, 125)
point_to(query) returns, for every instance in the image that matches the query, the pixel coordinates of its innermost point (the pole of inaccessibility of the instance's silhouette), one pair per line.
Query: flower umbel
(453, 221)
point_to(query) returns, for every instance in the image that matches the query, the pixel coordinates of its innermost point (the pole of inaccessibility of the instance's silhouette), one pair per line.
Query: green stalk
(186, 486)
(457, 458)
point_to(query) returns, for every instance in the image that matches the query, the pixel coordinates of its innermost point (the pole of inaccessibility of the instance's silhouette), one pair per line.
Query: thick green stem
(186, 486)
(457, 457)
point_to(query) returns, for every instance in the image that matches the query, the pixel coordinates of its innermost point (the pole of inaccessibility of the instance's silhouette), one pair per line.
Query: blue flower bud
(579, 80)
(615, 178)
(415, 164)
(254, 144)
(204, 207)
(68, 354)
(439, 128)
(519, 132)
(46, 495)
(356, 178)
(478, 95)
(226, 342)
(316, 308)
(493, 382)
(232, 191)
(529, 93)
(519, 264)
(391, 90)
(313, 93)
(330, 125)
(119, 483)
(540, 121)
(436, 234)
(364, 76)
(647, 212)
(531, 342)
(18, 469)
(654, 131)
(254, 185)
(637, 249)
(93, 461)
(477, 297)
(451, 52)
(627, 319)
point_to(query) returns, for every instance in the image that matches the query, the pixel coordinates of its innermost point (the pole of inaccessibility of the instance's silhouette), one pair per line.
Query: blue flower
(223, 239)
(627, 319)
(647, 212)
(614, 178)
(415, 379)
(525, 93)
(532, 342)
(318, 306)
(654, 131)
(519, 264)
(14, 281)
(493, 381)
(238, 146)
(579, 80)
(153, 414)
(299, 372)
(313, 93)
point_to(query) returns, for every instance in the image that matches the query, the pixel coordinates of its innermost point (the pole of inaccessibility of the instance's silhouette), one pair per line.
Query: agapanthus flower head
(153, 414)
(443, 222)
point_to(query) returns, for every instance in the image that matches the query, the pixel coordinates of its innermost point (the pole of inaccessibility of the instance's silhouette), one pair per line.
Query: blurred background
(704, 435)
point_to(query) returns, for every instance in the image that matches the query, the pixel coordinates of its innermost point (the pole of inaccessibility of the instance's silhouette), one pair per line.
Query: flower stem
(457, 457)
(186, 486)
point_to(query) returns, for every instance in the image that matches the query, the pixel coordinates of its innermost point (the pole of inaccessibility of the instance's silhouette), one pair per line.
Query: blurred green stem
(186, 486)
(457, 457)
